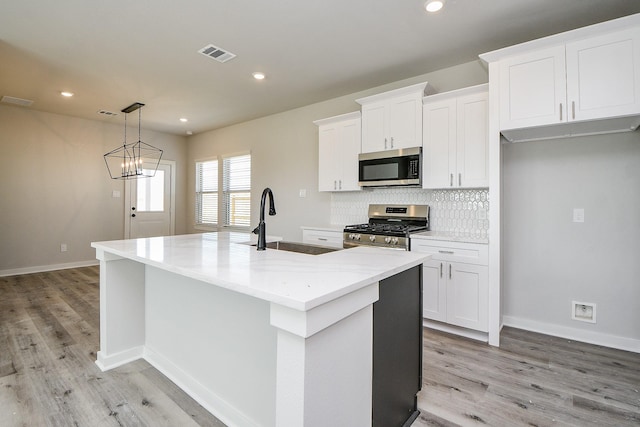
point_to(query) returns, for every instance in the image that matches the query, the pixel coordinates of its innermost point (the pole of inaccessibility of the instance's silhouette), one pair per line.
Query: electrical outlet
(63, 247)
(578, 215)
(583, 311)
(303, 193)
(115, 194)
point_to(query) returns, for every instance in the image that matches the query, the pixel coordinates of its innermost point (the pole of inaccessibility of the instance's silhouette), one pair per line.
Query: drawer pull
(441, 270)
(324, 239)
(446, 252)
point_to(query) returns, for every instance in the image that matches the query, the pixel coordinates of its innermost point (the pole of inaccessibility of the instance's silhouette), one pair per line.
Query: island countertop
(294, 280)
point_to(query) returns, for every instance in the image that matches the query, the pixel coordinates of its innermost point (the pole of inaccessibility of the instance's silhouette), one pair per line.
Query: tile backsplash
(452, 211)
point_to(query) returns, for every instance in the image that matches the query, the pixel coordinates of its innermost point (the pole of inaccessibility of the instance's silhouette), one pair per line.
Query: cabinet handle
(391, 142)
(441, 270)
(573, 109)
(446, 252)
(561, 111)
(335, 184)
(324, 239)
(449, 271)
(459, 180)
(451, 180)
(340, 184)
(385, 143)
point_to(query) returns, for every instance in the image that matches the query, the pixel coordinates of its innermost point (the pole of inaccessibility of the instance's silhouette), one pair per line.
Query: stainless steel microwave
(390, 168)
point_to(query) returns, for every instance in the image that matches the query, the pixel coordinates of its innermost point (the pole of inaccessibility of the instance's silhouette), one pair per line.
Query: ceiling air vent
(107, 113)
(16, 101)
(216, 53)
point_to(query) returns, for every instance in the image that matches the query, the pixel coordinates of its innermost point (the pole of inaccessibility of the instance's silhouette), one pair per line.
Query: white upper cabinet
(603, 76)
(455, 139)
(338, 149)
(533, 90)
(392, 120)
(581, 82)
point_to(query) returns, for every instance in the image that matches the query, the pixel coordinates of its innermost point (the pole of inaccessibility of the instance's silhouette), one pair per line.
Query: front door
(149, 207)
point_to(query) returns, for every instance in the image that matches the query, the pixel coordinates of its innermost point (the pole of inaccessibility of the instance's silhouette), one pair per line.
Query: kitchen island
(259, 338)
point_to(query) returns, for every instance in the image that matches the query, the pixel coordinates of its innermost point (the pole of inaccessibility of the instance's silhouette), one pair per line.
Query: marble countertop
(450, 237)
(294, 280)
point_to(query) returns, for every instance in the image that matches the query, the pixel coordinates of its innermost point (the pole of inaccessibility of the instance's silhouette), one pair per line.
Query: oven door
(390, 168)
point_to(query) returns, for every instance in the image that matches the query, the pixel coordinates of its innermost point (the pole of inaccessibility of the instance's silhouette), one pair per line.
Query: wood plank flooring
(531, 380)
(49, 326)
(49, 336)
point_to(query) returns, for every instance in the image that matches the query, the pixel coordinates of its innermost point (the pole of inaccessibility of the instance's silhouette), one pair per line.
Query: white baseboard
(597, 338)
(106, 363)
(464, 332)
(51, 267)
(213, 403)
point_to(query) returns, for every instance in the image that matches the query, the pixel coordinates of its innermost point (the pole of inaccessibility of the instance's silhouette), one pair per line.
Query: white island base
(265, 338)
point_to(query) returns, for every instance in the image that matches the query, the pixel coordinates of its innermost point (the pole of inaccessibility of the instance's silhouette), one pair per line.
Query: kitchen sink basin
(303, 248)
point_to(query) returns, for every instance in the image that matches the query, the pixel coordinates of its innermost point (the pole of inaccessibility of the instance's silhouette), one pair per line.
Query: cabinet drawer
(470, 253)
(322, 237)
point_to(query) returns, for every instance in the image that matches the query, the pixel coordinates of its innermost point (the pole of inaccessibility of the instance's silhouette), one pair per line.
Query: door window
(151, 192)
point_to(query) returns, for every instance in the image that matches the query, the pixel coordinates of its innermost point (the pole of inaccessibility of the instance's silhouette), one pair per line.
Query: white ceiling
(113, 53)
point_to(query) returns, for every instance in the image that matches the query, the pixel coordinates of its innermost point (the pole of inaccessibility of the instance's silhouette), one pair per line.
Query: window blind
(207, 192)
(236, 190)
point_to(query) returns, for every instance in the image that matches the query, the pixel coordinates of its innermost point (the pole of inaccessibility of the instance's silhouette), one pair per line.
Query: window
(228, 202)
(207, 192)
(236, 191)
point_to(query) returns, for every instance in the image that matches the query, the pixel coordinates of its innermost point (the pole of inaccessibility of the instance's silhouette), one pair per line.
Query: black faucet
(260, 230)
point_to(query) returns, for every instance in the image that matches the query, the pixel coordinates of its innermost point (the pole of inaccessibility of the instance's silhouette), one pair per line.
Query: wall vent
(107, 113)
(216, 53)
(16, 101)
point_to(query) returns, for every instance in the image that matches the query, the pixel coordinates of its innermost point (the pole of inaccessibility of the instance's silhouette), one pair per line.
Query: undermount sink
(303, 248)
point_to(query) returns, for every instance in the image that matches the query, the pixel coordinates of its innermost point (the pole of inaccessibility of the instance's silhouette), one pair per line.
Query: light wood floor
(49, 326)
(531, 380)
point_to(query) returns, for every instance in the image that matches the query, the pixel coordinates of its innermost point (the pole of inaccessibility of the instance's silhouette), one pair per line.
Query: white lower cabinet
(455, 283)
(322, 237)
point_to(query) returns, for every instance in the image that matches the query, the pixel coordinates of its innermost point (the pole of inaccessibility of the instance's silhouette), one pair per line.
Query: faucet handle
(256, 230)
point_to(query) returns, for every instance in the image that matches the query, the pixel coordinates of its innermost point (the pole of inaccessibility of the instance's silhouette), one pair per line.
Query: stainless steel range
(389, 226)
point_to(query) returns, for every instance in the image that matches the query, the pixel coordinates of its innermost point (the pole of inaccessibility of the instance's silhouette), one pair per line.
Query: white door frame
(172, 201)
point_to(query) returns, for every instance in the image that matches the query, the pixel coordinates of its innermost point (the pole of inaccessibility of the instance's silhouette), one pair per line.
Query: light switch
(115, 193)
(578, 215)
(303, 193)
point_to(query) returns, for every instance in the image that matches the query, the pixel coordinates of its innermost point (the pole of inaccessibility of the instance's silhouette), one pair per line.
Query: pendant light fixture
(135, 160)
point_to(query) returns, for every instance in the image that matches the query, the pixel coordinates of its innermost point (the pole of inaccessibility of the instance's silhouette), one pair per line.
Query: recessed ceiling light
(184, 119)
(433, 5)
(258, 76)
(67, 94)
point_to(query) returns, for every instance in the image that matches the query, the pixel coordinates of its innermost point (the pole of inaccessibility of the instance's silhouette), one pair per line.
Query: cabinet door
(347, 155)
(405, 122)
(533, 89)
(472, 141)
(434, 291)
(467, 295)
(603, 76)
(374, 128)
(439, 144)
(327, 154)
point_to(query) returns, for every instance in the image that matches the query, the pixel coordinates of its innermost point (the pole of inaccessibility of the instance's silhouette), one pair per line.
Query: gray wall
(55, 187)
(284, 151)
(550, 260)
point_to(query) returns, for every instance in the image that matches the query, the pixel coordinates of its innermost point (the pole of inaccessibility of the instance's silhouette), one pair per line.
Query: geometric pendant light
(135, 160)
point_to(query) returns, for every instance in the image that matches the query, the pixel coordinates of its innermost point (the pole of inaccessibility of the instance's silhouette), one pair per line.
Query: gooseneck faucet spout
(260, 230)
